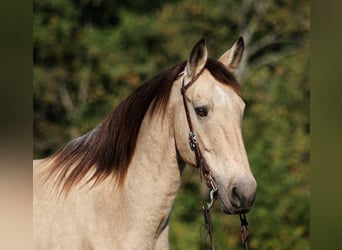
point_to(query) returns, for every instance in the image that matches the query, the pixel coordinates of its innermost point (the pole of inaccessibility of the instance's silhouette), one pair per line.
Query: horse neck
(154, 176)
(154, 162)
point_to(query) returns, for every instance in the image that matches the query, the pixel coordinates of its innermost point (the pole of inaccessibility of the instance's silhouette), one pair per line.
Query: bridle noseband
(205, 171)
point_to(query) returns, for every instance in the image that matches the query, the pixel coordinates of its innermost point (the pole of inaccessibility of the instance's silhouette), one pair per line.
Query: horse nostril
(243, 194)
(236, 198)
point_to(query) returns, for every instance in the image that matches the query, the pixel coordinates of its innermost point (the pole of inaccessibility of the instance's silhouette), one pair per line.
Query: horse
(114, 187)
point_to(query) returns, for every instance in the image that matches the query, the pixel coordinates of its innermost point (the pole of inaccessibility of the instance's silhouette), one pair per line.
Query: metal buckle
(211, 195)
(192, 140)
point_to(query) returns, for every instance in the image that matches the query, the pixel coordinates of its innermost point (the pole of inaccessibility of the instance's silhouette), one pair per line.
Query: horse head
(216, 110)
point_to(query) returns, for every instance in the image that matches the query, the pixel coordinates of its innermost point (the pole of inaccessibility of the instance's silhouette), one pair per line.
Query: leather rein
(206, 173)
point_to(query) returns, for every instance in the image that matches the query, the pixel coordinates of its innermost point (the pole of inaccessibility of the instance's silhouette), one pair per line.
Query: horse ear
(197, 59)
(232, 57)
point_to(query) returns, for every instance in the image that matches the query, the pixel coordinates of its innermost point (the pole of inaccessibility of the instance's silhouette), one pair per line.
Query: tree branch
(66, 99)
(273, 58)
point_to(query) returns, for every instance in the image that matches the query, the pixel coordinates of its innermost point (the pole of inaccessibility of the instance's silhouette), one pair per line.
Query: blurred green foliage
(89, 54)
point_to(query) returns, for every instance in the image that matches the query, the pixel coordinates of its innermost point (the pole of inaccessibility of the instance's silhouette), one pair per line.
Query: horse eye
(202, 111)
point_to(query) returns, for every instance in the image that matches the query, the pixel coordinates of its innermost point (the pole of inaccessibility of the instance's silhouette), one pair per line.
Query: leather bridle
(205, 171)
(200, 160)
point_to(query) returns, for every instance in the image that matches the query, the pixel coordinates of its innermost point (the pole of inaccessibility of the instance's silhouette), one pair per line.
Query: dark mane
(108, 148)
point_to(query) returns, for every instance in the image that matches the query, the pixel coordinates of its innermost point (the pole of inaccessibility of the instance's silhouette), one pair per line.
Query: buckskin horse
(114, 187)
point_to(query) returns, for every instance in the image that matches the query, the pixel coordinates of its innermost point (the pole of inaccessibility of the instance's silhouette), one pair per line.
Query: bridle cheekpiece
(200, 161)
(193, 143)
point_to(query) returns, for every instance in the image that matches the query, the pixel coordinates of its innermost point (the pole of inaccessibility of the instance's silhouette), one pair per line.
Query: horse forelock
(220, 72)
(109, 148)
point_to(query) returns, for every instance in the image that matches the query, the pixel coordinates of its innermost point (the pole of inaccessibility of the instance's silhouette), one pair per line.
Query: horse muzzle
(240, 196)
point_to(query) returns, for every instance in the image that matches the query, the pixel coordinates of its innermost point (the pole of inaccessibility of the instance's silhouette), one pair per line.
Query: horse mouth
(230, 209)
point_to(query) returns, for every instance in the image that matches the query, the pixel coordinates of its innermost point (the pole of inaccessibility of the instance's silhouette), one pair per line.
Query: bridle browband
(205, 171)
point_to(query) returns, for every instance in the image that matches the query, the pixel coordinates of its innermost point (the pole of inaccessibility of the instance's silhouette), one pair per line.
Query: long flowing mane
(108, 148)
